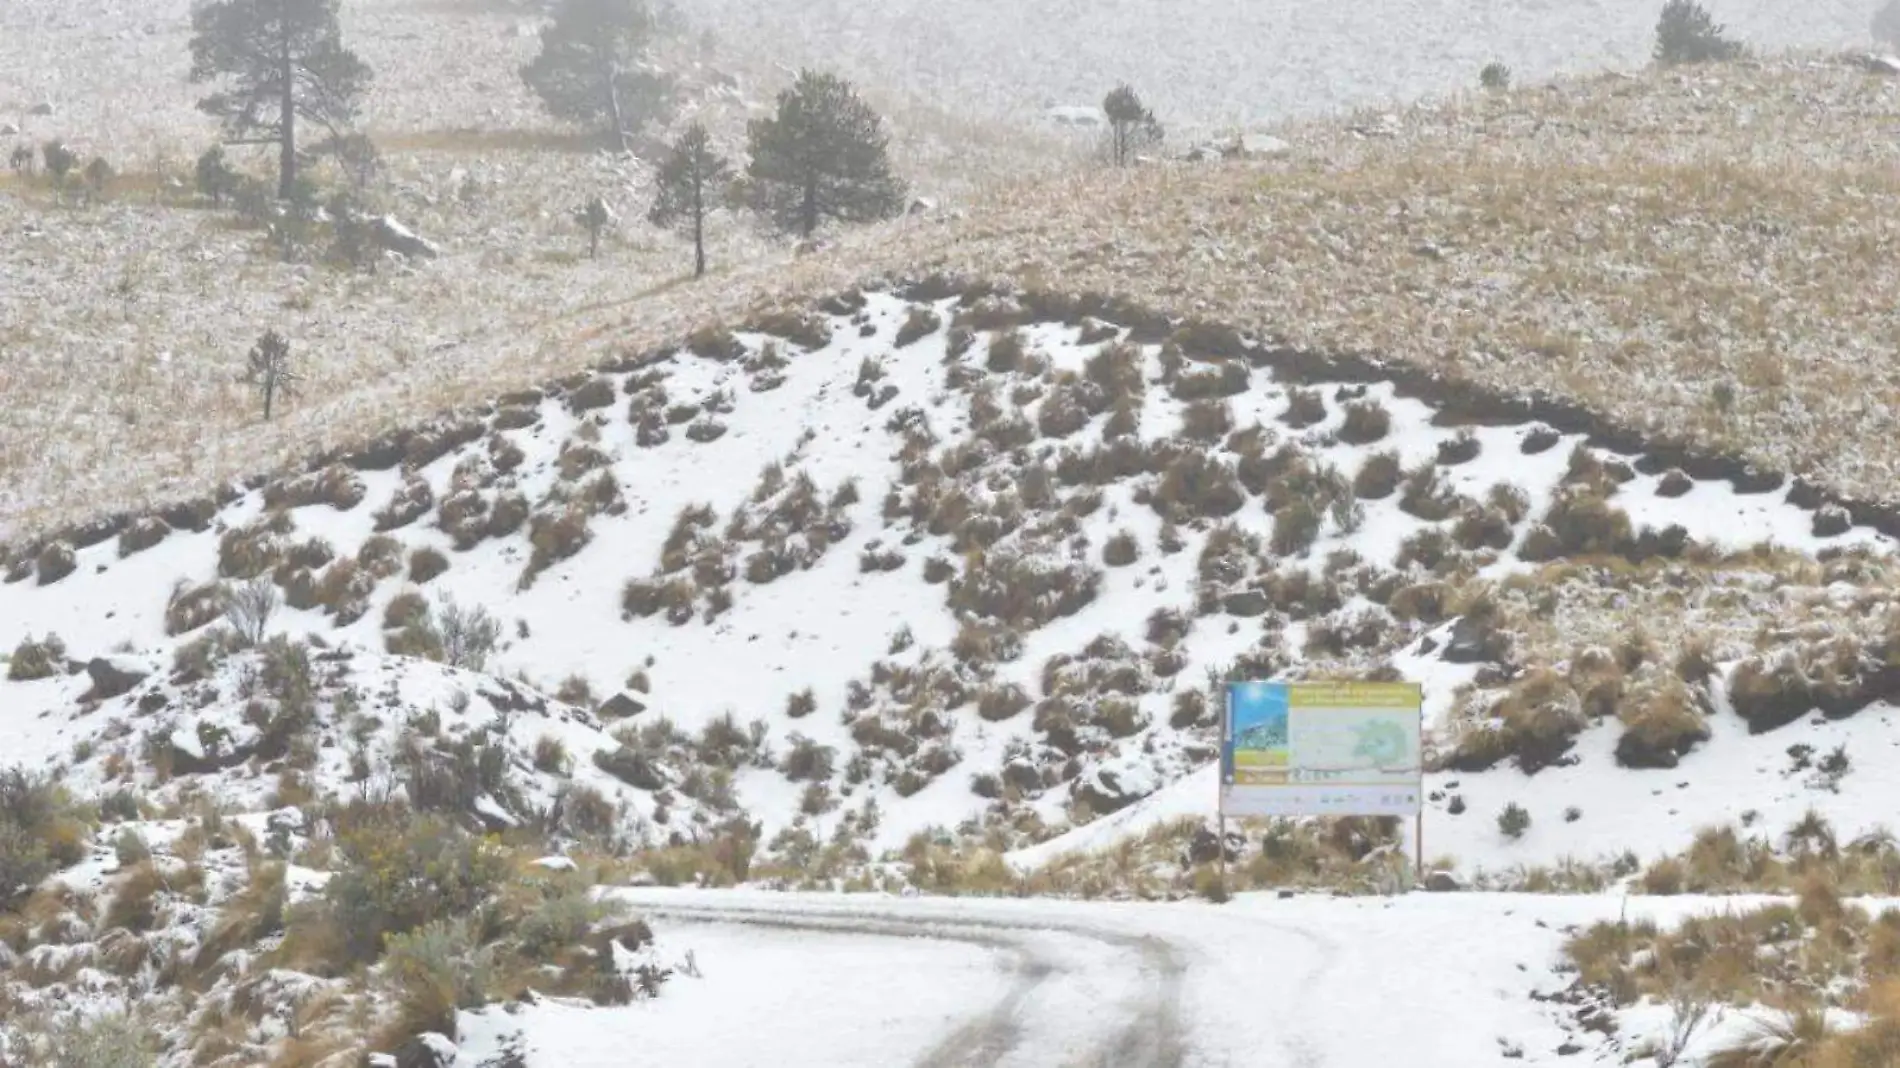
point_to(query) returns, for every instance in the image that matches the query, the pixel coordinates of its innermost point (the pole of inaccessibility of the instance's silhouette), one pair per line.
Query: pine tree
(60, 161)
(270, 369)
(589, 67)
(692, 178)
(594, 216)
(1131, 125)
(822, 156)
(98, 174)
(1687, 33)
(216, 179)
(282, 61)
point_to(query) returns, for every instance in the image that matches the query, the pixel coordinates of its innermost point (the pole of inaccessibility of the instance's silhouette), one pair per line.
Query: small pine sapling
(270, 370)
(595, 217)
(692, 179)
(1132, 127)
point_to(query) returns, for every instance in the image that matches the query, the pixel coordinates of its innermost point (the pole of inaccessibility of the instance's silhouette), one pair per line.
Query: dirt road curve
(1143, 1031)
(1420, 980)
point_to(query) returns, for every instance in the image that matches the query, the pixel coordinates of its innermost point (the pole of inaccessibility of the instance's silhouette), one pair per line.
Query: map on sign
(1321, 749)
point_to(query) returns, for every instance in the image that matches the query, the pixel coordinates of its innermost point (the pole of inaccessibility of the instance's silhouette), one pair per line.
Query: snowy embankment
(1423, 980)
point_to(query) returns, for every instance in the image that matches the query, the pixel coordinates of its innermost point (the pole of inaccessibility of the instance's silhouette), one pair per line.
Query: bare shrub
(411, 501)
(997, 703)
(1121, 549)
(1006, 352)
(1227, 378)
(1378, 477)
(1536, 722)
(1024, 591)
(801, 704)
(248, 607)
(1460, 448)
(1579, 523)
(1365, 423)
(919, 323)
(426, 564)
(1304, 408)
(1661, 723)
(807, 761)
(469, 635)
(555, 537)
(1206, 421)
(1197, 484)
(1295, 527)
(1425, 497)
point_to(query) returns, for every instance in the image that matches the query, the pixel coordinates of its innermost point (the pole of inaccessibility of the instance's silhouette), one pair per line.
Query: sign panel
(1322, 749)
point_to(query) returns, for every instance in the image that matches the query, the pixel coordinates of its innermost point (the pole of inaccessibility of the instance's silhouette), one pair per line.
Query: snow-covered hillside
(964, 561)
(929, 588)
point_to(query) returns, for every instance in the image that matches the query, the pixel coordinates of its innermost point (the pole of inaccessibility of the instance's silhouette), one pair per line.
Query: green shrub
(1514, 820)
(550, 756)
(106, 1040)
(437, 969)
(401, 871)
(36, 659)
(40, 833)
(562, 919)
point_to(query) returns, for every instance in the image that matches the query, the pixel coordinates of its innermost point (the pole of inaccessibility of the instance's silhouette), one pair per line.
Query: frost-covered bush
(36, 659)
(248, 607)
(107, 1040)
(437, 969)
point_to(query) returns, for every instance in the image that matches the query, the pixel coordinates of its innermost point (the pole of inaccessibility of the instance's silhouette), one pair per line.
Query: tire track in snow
(1301, 1052)
(1150, 1037)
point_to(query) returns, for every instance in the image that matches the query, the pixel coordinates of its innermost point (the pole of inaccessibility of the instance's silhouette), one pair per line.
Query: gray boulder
(113, 676)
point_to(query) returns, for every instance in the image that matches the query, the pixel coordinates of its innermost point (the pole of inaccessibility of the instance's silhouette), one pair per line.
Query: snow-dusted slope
(1242, 61)
(968, 564)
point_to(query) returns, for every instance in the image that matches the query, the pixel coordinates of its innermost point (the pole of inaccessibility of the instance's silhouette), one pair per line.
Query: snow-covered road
(869, 981)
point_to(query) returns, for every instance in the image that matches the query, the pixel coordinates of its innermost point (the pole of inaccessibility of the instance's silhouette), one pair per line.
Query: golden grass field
(1707, 255)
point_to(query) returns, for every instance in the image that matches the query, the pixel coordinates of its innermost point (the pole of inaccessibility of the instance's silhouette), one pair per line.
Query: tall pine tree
(692, 178)
(281, 61)
(1131, 126)
(589, 67)
(822, 156)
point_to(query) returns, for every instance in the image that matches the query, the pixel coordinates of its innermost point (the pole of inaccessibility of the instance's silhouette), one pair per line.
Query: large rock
(619, 706)
(1473, 641)
(113, 676)
(427, 1050)
(1256, 146)
(1443, 882)
(1105, 792)
(44, 107)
